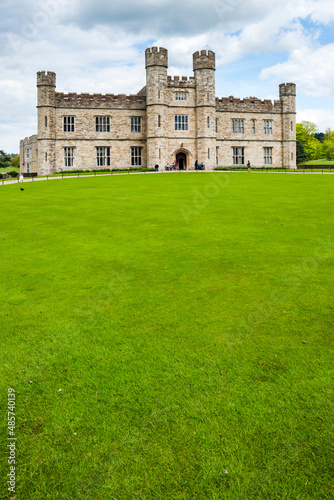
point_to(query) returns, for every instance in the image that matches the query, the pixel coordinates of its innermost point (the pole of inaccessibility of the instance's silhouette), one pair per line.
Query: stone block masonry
(170, 119)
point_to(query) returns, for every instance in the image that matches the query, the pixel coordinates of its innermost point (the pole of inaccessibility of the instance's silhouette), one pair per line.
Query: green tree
(15, 161)
(301, 153)
(328, 149)
(320, 136)
(305, 133)
(5, 159)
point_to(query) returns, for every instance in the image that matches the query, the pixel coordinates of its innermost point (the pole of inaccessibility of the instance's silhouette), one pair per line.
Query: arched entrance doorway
(181, 160)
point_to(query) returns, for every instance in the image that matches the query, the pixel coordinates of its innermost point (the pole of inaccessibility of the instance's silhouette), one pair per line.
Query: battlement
(46, 78)
(27, 141)
(108, 101)
(204, 60)
(287, 89)
(248, 104)
(184, 82)
(155, 56)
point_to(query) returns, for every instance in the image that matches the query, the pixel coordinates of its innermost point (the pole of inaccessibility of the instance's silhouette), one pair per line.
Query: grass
(318, 162)
(171, 312)
(9, 169)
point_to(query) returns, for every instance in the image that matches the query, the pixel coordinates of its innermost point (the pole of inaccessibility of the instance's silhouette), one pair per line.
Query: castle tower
(156, 63)
(204, 65)
(287, 94)
(46, 121)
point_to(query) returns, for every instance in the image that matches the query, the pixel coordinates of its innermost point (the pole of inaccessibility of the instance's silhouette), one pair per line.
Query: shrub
(13, 173)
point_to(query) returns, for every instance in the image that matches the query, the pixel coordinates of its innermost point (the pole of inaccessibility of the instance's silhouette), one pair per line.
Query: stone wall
(29, 154)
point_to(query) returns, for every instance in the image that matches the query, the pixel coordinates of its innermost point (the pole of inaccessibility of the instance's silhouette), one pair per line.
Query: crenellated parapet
(155, 56)
(204, 60)
(47, 78)
(183, 82)
(107, 101)
(27, 141)
(248, 104)
(287, 89)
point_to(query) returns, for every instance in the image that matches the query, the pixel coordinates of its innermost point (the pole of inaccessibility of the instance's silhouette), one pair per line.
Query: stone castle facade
(170, 119)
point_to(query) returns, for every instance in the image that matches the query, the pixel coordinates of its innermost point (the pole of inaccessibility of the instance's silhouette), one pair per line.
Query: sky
(98, 46)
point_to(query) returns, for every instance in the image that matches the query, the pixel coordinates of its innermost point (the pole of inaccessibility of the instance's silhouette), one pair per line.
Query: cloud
(97, 46)
(323, 118)
(310, 68)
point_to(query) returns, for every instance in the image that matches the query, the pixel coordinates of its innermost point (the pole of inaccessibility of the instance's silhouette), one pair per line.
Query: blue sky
(96, 46)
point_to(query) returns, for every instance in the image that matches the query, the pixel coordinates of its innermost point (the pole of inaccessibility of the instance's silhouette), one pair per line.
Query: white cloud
(97, 46)
(323, 118)
(309, 67)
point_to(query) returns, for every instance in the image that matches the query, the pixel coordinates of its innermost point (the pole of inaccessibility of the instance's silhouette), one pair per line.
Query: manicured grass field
(318, 162)
(169, 336)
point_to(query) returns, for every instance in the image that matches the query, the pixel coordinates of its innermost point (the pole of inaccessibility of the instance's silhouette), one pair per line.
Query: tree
(328, 150)
(305, 133)
(15, 161)
(301, 153)
(5, 159)
(320, 136)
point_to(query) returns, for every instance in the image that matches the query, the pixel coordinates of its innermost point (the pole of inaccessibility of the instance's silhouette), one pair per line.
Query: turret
(46, 85)
(156, 60)
(287, 94)
(155, 56)
(204, 60)
(46, 120)
(204, 65)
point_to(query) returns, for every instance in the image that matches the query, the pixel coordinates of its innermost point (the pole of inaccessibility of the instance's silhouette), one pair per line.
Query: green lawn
(161, 321)
(318, 162)
(9, 169)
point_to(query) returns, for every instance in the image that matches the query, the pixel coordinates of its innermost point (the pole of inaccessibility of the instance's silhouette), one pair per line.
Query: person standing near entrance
(21, 177)
(196, 165)
(248, 166)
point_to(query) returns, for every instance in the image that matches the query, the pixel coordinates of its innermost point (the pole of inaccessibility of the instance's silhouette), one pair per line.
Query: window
(159, 153)
(46, 121)
(237, 126)
(69, 157)
(217, 155)
(159, 121)
(181, 122)
(208, 96)
(267, 126)
(291, 126)
(180, 96)
(28, 168)
(102, 124)
(27, 153)
(68, 123)
(159, 93)
(36, 152)
(102, 156)
(238, 156)
(217, 125)
(46, 157)
(268, 156)
(208, 153)
(291, 156)
(208, 121)
(135, 124)
(253, 126)
(136, 156)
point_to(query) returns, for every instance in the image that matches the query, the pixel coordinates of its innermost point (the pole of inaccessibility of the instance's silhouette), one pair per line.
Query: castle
(170, 119)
